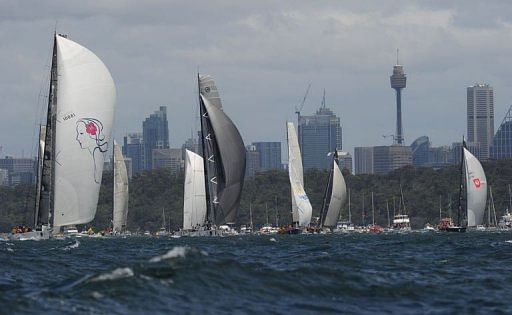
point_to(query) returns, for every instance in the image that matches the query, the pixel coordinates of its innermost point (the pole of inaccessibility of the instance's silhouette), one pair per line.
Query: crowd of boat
(75, 137)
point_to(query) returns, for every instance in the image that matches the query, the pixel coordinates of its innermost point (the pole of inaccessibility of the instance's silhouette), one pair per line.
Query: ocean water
(435, 273)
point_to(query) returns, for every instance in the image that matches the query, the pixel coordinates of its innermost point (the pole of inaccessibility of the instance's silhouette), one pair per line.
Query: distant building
(155, 133)
(252, 164)
(480, 117)
(420, 151)
(129, 166)
(345, 160)
(269, 155)
(20, 170)
(456, 151)
(133, 148)
(502, 141)
(389, 158)
(4, 177)
(363, 157)
(167, 158)
(192, 144)
(319, 134)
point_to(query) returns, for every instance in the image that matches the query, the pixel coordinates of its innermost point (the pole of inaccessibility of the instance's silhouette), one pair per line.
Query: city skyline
(347, 48)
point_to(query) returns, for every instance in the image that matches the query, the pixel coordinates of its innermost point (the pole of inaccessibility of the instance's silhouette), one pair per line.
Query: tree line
(424, 191)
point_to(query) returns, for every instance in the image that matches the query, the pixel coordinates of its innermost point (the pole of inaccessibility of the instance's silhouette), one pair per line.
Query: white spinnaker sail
(476, 187)
(120, 212)
(338, 196)
(194, 199)
(209, 90)
(301, 207)
(85, 112)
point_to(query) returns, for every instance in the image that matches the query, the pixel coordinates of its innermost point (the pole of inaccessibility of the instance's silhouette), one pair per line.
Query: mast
(461, 186)
(277, 214)
(509, 198)
(203, 116)
(349, 212)
(440, 209)
(44, 195)
(363, 210)
(250, 213)
(328, 188)
(373, 211)
(266, 212)
(387, 209)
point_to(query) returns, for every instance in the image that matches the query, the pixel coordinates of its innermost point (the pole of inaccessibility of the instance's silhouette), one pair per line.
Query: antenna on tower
(397, 51)
(323, 100)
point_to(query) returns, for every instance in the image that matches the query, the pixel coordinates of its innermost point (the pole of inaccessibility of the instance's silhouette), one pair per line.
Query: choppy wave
(406, 273)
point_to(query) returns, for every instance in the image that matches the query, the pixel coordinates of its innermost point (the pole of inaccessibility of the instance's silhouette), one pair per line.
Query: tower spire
(397, 52)
(323, 100)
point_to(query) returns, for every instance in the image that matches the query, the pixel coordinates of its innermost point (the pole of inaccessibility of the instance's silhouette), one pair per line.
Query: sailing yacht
(474, 184)
(334, 196)
(223, 163)
(301, 207)
(120, 211)
(401, 221)
(74, 139)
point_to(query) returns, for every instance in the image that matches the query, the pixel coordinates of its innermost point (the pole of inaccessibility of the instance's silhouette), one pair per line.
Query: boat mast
(373, 211)
(203, 115)
(328, 187)
(387, 209)
(363, 210)
(250, 213)
(277, 214)
(461, 186)
(440, 209)
(509, 198)
(349, 212)
(44, 195)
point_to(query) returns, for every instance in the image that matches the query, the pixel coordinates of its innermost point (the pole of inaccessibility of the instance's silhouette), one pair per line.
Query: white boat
(163, 230)
(335, 195)
(74, 139)
(401, 221)
(223, 168)
(120, 211)
(474, 185)
(301, 207)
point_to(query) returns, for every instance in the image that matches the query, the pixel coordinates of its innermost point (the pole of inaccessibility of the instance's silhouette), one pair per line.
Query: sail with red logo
(476, 188)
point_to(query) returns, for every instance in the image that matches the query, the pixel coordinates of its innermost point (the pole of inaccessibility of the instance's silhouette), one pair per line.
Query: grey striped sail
(224, 162)
(120, 211)
(335, 195)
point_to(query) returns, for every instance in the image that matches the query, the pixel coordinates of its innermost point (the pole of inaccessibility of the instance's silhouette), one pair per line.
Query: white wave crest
(118, 273)
(176, 252)
(510, 241)
(74, 245)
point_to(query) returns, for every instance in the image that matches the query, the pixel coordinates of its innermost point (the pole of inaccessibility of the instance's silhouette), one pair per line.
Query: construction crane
(299, 107)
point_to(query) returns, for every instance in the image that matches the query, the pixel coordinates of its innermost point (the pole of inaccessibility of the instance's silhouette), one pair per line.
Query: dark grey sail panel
(44, 194)
(230, 162)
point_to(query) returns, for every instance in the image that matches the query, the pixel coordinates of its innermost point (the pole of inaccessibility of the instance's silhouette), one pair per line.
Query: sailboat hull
(30, 236)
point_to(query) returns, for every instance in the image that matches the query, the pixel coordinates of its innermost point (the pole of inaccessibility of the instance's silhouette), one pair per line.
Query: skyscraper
(269, 155)
(252, 164)
(398, 81)
(319, 134)
(155, 133)
(133, 148)
(420, 151)
(502, 141)
(480, 117)
(363, 158)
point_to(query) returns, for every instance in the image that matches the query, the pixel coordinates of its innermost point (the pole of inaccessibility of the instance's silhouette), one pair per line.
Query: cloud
(263, 54)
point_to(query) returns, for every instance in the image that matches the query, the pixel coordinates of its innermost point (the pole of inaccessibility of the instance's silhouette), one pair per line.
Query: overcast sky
(263, 54)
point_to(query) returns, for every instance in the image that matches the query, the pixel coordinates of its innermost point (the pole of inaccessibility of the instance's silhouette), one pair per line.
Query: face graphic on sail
(89, 134)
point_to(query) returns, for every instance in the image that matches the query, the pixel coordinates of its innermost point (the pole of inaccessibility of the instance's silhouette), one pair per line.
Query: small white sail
(338, 196)
(120, 213)
(194, 199)
(85, 112)
(301, 207)
(476, 187)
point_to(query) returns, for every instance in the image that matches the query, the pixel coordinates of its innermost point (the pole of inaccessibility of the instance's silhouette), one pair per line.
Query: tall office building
(363, 160)
(381, 159)
(502, 141)
(389, 158)
(252, 164)
(345, 160)
(133, 148)
(269, 155)
(480, 117)
(420, 150)
(168, 158)
(155, 133)
(319, 134)
(21, 170)
(398, 81)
